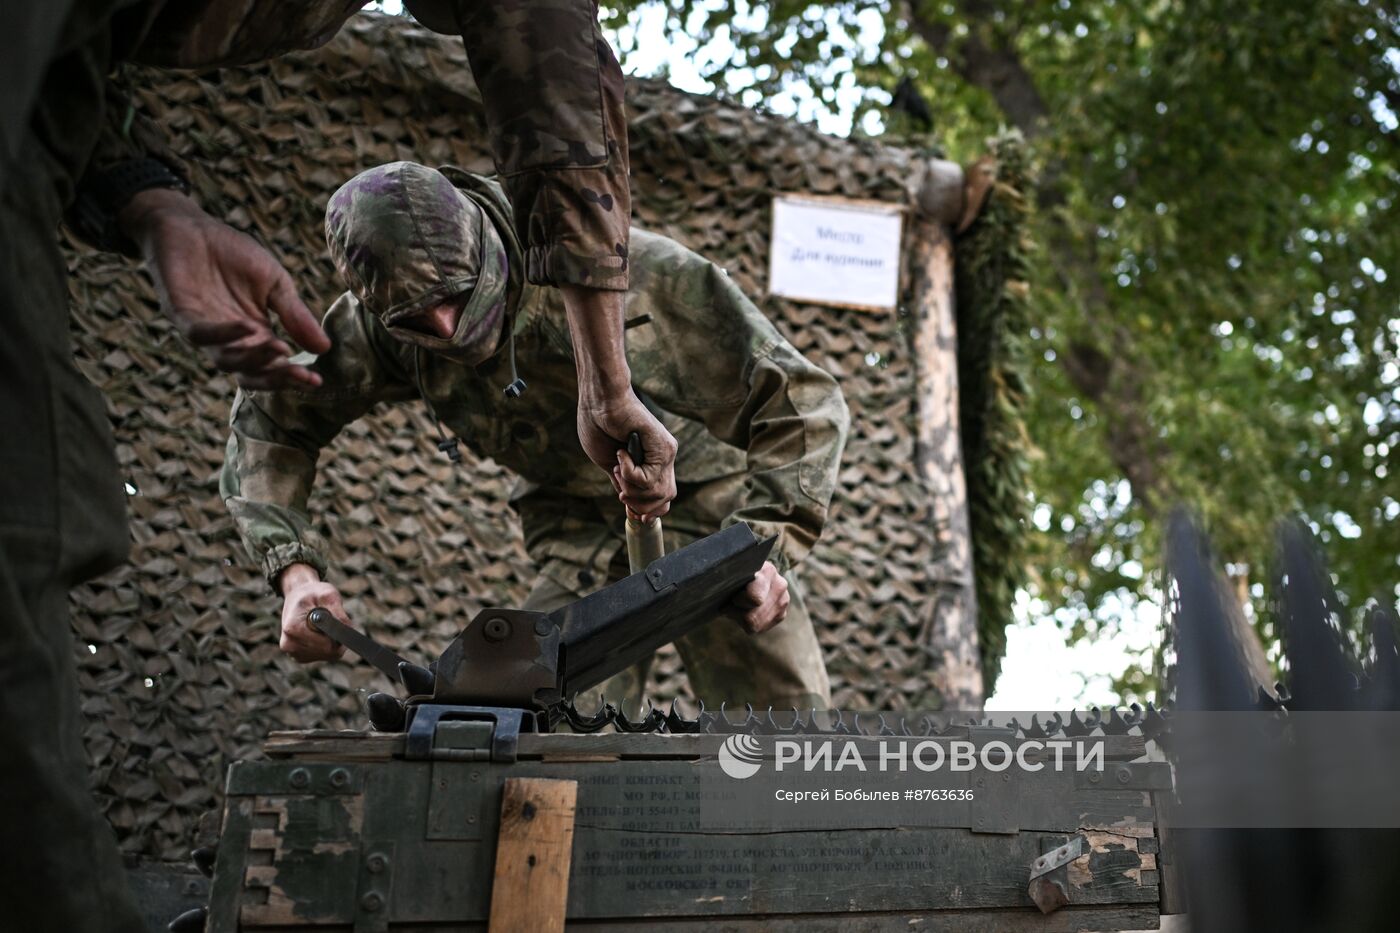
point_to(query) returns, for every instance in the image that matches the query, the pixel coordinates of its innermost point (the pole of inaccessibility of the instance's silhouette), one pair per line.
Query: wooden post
(1173, 883)
(530, 893)
(950, 620)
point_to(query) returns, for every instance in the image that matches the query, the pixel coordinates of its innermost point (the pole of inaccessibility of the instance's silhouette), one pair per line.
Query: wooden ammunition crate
(338, 832)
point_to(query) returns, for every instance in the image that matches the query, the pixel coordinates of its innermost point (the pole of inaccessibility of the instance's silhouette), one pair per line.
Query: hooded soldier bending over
(438, 308)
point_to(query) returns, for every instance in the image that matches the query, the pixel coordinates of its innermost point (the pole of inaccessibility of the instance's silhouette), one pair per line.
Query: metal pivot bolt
(372, 901)
(300, 777)
(376, 863)
(340, 777)
(496, 629)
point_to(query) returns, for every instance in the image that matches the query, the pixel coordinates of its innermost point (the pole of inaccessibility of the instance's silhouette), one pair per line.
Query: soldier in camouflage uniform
(71, 147)
(437, 307)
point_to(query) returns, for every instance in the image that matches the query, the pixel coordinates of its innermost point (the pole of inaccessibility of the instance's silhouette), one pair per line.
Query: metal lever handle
(418, 680)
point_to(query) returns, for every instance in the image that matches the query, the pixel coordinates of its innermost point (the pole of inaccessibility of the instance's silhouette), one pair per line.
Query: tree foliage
(1215, 310)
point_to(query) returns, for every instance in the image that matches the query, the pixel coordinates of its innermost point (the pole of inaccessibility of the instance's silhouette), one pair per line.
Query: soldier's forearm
(595, 324)
(294, 575)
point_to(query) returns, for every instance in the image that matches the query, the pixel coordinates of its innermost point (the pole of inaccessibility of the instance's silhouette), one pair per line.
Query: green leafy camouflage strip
(741, 400)
(551, 87)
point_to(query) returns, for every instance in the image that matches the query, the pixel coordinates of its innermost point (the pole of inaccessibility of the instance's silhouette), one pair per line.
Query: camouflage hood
(405, 237)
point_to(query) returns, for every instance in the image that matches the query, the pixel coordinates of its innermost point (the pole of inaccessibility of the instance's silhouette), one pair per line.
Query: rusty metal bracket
(1049, 883)
(502, 658)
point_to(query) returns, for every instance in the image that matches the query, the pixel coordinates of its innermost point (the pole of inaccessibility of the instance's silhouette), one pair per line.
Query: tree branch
(1098, 375)
(996, 69)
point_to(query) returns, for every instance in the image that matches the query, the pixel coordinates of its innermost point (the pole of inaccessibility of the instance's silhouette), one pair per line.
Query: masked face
(447, 330)
(407, 243)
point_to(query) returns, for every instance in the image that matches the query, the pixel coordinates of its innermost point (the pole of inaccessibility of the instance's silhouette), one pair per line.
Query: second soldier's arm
(219, 287)
(553, 95)
(270, 465)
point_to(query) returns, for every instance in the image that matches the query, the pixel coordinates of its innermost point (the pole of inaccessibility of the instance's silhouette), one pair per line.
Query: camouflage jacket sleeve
(277, 437)
(751, 389)
(553, 94)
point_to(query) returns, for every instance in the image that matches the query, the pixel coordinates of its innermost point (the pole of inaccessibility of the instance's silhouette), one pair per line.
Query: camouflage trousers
(62, 520)
(581, 547)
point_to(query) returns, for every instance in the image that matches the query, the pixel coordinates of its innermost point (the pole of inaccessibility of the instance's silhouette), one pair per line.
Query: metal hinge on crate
(466, 733)
(1049, 886)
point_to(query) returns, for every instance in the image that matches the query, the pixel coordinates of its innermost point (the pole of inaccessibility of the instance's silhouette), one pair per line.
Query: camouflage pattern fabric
(550, 84)
(737, 396)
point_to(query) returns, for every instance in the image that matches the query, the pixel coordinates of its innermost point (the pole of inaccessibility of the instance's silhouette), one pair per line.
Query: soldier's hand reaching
(766, 598)
(302, 591)
(221, 289)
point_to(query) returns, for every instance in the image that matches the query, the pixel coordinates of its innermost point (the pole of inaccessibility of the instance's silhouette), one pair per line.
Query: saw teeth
(578, 722)
(1151, 723)
(678, 724)
(1116, 724)
(651, 722)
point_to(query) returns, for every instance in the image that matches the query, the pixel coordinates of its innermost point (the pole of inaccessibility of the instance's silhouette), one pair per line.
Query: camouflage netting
(178, 658)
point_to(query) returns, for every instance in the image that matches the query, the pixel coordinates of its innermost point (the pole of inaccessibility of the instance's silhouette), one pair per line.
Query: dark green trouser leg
(61, 520)
(59, 865)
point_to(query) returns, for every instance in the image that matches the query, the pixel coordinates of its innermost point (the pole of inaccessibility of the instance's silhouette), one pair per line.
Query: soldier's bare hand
(766, 598)
(603, 429)
(302, 591)
(221, 289)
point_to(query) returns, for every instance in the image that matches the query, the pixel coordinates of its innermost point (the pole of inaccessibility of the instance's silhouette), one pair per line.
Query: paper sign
(835, 252)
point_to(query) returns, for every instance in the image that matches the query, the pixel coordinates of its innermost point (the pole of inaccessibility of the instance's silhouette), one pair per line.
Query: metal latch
(1049, 887)
(465, 733)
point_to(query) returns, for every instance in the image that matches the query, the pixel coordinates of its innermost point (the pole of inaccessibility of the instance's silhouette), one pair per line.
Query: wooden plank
(949, 615)
(530, 890)
(621, 873)
(1066, 920)
(350, 746)
(328, 745)
(226, 888)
